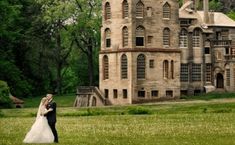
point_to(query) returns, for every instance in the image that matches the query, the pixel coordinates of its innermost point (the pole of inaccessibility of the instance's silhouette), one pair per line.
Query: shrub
(138, 110)
(5, 101)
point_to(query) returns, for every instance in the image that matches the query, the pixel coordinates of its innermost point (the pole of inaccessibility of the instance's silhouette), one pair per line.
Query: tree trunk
(90, 63)
(59, 63)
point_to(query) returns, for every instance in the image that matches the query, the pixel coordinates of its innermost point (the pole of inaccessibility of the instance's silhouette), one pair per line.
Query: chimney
(206, 11)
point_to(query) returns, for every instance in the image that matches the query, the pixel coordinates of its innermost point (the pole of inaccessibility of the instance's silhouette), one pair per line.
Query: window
(172, 69)
(166, 11)
(165, 69)
(141, 94)
(154, 93)
(124, 91)
(106, 93)
(125, 9)
(124, 67)
(219, 55)
(166, 37)
(139, 10)
(151, 63)
(105, 67)
(196, 72)
(208, 72)
(184, 73)
(115, 93)
(107, 38)
(141, 66)
(107, 11)
(228, 77)
(169, 93)
(150, 38)
(196, 38)
(207, 50)
(183, 38)
(227, 51)
(140, 33)
(125, 36)
(149, 11)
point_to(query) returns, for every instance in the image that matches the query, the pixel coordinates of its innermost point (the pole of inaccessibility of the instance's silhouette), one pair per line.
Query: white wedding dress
(40, 132)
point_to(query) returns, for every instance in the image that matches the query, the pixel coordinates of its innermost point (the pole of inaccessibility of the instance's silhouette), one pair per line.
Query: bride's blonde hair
(44, 100)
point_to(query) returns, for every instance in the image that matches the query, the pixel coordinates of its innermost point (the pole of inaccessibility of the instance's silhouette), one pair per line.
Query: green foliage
(138, 111)
(215, 5)
(231, 14)
(5, 101)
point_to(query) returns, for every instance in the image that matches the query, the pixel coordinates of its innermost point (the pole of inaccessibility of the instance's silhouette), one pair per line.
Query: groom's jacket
(51, 116)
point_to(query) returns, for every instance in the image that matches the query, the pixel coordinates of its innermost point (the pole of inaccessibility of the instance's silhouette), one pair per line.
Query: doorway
(219, 81)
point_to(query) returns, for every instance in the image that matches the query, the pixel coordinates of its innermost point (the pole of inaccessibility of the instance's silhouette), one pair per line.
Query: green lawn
(167, 123)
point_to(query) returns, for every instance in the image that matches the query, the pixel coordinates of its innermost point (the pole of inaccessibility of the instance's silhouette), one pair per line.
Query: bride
(40, 132)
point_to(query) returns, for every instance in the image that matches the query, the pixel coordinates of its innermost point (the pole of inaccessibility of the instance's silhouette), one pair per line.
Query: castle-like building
(153, 50)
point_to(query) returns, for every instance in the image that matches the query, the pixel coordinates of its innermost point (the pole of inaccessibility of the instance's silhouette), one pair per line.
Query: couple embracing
(43, 129)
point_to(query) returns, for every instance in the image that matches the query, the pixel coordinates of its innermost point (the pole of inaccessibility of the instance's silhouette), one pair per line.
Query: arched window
(140, 35)
(166, 37)
(141, 66)
(167, 10)
(196, 38)
(107, 11)
(139, 10)
(183, 38)
(105, 67)
(107, 38)
(172, 69)
(124, 68)
(165, 69)
(125, 9)
(125, 36)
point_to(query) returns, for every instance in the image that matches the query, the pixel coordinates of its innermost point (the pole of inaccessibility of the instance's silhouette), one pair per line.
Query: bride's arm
(45, 111)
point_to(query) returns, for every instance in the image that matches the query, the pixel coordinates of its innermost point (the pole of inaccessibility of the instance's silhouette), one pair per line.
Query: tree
(78, 20)
(231, 14)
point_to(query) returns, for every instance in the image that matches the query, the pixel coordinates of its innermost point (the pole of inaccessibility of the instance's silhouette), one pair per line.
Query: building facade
(153, 50)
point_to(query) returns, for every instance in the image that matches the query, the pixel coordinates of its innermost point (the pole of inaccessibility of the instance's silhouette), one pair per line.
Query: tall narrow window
(165, 69)
(183, 38)
(172, 69)
(107, 11)
(184, 73)
(105, 67)
(107, 38)
(141, 66)
(166, 10)
(139, 10)
(125, 9)
(196, 72)
(125, 36)
(115, 93)
(124, 68)
(196, 38)
(208, 72)
(228, 77)
(166, 37)
(140, 34)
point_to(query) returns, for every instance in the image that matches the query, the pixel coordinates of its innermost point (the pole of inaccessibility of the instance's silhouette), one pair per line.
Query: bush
(138, 110)
(5, 101)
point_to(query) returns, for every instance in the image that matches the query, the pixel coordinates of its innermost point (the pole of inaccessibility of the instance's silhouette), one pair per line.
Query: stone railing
(221, 43)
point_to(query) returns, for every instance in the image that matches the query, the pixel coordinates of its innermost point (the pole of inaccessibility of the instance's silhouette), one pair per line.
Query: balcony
(221, 43)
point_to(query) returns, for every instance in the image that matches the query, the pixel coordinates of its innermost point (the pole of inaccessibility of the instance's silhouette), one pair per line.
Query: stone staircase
(88, 96)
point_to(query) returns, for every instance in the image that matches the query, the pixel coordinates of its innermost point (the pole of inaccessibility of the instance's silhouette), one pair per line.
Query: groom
(51, 116)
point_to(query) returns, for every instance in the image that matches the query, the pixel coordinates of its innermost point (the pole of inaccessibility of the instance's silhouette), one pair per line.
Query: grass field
(166, 123)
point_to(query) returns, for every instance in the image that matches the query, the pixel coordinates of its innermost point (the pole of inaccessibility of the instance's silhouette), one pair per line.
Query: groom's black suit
(51, 118)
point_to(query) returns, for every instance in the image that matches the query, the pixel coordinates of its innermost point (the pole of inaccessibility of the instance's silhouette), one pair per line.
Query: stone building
(153, 50)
